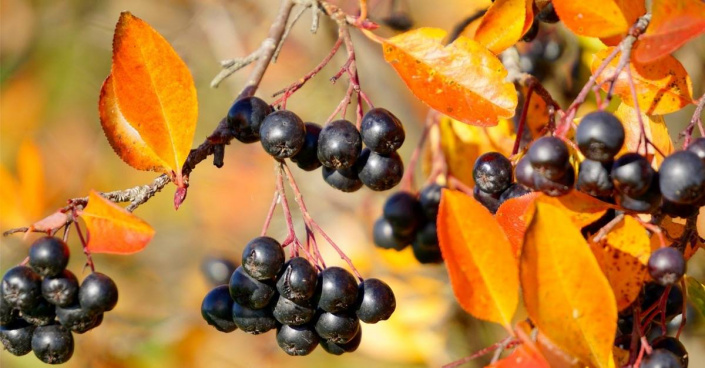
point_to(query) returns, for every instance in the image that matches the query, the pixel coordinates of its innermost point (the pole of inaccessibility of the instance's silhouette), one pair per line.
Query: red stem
(522, 119)
(84, 244)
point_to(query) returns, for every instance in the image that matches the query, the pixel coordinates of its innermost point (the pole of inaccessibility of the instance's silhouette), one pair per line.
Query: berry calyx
(339, 145)
(492, 172)
(61, 290)
(263, 258)
(21, 287)
(297, 340)
(381, 131)
(666, 266)
(52, 344)
(600, 135)
(48, 256)
(557, 187)
(288, 312)
(594, 178)
(245, 118)
(282, 134)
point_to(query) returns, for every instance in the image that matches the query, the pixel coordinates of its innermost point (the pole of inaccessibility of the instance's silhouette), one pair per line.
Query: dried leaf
(521, 357)
(696, 294)
(661, 87)
(623, 256)
(674, 22)
(111, 229)
(610, 18)
(51, 222)
(504, 24)
(479, 259)
(156, 99)
(565, 292)
(656, 132)
(514, 216)
(463, 80)
(580, 208)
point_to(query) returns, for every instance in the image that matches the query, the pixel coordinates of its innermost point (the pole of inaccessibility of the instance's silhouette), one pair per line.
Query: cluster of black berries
(493, 181)
(410, 219)
(337, 146)
(546, 15)
(42, 304)
(307, 307)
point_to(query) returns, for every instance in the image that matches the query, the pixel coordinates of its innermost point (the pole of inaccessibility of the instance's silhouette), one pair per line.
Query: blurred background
(54, 56)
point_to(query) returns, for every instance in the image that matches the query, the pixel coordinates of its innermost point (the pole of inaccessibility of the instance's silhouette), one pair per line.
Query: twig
(697, 119)
(270, 213)
(494, 347)
(522, 120)
(608, 227)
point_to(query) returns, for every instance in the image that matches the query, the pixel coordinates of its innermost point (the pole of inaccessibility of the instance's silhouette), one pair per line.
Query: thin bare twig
(697, 119)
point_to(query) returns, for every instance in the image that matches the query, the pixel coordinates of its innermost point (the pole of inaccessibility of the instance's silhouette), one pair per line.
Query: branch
(695, 120)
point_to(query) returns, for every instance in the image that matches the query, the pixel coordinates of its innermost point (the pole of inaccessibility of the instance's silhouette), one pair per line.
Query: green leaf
(696, 294)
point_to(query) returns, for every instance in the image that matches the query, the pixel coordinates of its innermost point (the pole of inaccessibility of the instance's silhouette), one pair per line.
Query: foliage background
(54, 56)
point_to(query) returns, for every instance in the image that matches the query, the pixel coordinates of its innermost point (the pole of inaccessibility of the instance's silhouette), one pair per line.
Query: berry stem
(684, 309)
(408, 178)
(84, 244)
(507, 342)
(270, 213)
(695, 120)
(608, 227)
(522, 119)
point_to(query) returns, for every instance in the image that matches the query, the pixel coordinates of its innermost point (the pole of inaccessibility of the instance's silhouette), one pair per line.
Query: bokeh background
(54, 56)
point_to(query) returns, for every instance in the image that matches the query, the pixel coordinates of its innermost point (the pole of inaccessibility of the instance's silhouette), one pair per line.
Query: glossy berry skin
(61, 290)
(338, 349)
(245, 118)
(217, 309)
(307, 158)
(430, 200)
(514, 191)
(297, 280)
(376, 301)
(21, 287)
(288, 312)
(632, 174)
(600, 135)
(425, 245)
(524, 172)
(48, 256)
(549, 156)
(384, 237)
(682, 177)
(492, 172)
(403, 211)
(282, 134)
(337, 327)
(490, 201)
(41, 314)
(297, 340)
(697, 146)
(380, 172)
(17, 338)
(661, 358)
(217, 270)
(250, 292)
(674, 346)
(594, 178)
(531, 34)
(263, 258)
(345, 180)
(548, 14)
(98, 293)
(338, 290)
(646, 203)
(558, 187)
(339, 145)
(77, 319)
(8, 314)
(253, 321)
(666, 266)
(381, 131)
(52, 344)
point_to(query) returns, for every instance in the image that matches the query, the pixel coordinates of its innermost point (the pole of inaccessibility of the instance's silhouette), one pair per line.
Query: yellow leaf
(610, 18)
(656, 132)
(504, 24)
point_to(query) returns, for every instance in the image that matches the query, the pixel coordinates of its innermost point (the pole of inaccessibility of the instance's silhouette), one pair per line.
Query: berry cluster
(493, 181)
(337, 146)
(305, 306)
(408, 219)
(42, 304)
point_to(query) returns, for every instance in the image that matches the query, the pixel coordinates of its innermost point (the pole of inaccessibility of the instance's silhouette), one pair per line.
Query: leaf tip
(179, 197)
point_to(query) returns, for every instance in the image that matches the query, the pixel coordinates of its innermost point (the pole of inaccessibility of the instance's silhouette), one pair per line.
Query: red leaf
(674, 22)
(514, 216)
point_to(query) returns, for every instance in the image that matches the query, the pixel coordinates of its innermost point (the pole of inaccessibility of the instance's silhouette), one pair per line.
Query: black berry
(425, 245)
(514, 191)
(17, 338)
(430, 200)
(384, 237)
(297, 280)
(600, 135)
(697, 146)
(338, 349)
(548, 14)
(48, 256)
(263, 258)
(52, 344)
(21, 287)
(282, 134)
(632, 174)
(674, 301)
(376, 301)
(661, 358)
(337, 327)
(8, 314)
(345, 180)
(682, 177)
(217, 309)
(77, 319)
(557, 187)
(217, 270)
(674, 346)
(490, 201)
(253, 321)
(250, 292)
(288, 312)
(492, 172)
(381, 131)
(245, 118)
(594, 178)
(297, 340)
(380, 172)
(339, 145)
(307, 158)
(98, 293)
(646, 203)
(61, 290)
(666, 265)
(338, 290)
(549, 156)
(524, 172)
(403, 211)
(531, 34)
(43, 313)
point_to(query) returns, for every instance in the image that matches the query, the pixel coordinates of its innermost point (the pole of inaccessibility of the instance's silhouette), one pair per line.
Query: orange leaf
(655, 128)
(521, 357)
(673, 229)
(580, 208)
(514, 216)
(479, 258)
(674, 22)
(662, 87)
(156, 99)
(565, 292)
(623, 256)
(610, 18)
(701, 222)
(463, 80)
(504, 24)
(111, 229)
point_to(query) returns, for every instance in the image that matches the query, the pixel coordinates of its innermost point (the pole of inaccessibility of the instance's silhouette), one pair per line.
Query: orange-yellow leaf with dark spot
(111, 229)
(463, 80)
(661, 87)
(656, 132)
(674, 22)
(580, 208)
(610, 18)
(565, 292)
(504, 24)
(481, 266)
